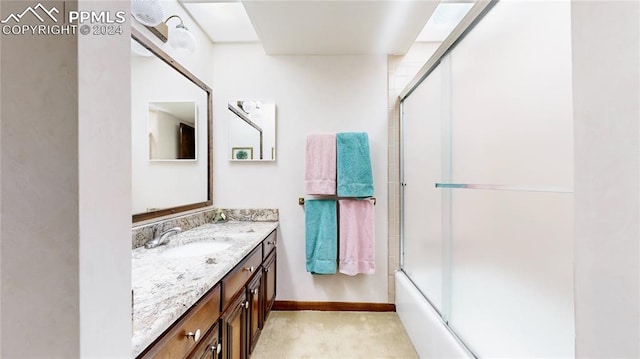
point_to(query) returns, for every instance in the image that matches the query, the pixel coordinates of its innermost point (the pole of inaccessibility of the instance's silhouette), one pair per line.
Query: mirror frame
(144, 41)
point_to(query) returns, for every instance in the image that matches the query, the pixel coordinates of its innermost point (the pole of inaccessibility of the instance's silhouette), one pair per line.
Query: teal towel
(321, 235)
(355, 176)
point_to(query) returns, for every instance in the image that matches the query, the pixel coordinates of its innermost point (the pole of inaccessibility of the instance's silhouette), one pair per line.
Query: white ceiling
(318, 27)
(329, 27)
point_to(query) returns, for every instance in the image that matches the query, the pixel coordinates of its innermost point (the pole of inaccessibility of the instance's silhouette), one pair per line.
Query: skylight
(222, 21)
(444, 19)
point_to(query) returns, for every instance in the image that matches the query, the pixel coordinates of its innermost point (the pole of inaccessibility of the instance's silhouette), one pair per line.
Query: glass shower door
(423, 244)
(487, 215)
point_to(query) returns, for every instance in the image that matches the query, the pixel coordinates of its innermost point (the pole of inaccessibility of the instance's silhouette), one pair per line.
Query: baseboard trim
(334, 306)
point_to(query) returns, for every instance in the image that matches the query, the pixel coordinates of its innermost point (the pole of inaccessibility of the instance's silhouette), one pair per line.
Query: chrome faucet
(161, 238)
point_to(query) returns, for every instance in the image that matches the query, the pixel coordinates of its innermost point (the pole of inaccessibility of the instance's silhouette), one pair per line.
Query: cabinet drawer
(176, 343)
(269, 244)
(239, 276)
(210, 347)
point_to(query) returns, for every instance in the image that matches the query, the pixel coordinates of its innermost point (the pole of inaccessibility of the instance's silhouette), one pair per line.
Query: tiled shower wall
(401, 69)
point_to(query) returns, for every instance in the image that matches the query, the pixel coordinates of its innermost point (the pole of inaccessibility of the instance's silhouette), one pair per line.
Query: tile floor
(326, 335)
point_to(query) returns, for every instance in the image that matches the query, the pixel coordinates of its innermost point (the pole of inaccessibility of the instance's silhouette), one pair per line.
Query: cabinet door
(256, 307)
(210, 347)
(269, 278)
(234, 333)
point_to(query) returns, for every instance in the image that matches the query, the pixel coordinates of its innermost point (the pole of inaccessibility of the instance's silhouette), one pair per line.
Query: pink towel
(320, 166)
(357, 237)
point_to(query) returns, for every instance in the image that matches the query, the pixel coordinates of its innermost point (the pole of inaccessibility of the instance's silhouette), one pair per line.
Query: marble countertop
(164, 288)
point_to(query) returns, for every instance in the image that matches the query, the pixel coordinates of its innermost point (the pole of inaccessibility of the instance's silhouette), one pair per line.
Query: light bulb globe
(181, 39)
(147, 12)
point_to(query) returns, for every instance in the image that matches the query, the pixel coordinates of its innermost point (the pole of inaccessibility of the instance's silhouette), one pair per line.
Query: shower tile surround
(163, 289)
(141, 234)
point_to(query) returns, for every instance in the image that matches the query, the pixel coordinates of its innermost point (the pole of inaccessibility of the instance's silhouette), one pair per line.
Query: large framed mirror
(171, 122)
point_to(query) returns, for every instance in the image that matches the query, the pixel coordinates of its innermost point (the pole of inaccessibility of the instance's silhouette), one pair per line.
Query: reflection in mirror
(165, 94)
(252, 130)
(172, 130)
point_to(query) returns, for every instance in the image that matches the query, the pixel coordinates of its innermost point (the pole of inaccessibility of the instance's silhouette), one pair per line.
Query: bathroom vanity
(206, 294)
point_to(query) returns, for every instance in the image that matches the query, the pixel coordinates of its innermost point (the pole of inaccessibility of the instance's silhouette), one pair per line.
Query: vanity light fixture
(179, 38)
(147, 12)
(249, 106)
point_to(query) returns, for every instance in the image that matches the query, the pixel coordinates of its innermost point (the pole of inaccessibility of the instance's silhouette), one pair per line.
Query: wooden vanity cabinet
(236, 280)
(210, 347)
(183, 335)
(255, 297)
(243, 320)
(230, 316)
(269, 286)
(269, 244)
(234, 329)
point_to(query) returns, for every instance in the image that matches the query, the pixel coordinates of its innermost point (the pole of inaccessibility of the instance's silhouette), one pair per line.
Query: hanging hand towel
(355, 176)
(357, 237)
(320, 164)
(321, 235)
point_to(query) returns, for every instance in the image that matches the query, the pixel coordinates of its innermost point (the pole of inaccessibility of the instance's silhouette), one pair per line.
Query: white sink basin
(195, 249)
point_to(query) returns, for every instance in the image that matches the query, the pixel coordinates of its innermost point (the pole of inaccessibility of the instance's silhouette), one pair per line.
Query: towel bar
(301, 199)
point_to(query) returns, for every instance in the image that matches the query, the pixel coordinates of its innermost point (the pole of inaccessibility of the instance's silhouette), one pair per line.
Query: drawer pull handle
(271, 242)
(249, 269)
(195, 336)
(266, 270)
(254, 291)
(246, 305)
(216, 349)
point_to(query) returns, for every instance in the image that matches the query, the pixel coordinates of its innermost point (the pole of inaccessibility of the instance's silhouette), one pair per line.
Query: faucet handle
(174, 229)
(160, 237)
(164, 236)
(157, 229)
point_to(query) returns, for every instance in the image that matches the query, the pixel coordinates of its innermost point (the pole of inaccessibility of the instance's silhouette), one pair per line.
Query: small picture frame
(242, 153)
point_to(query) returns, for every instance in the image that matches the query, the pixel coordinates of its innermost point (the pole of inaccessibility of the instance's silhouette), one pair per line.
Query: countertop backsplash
(141, 234)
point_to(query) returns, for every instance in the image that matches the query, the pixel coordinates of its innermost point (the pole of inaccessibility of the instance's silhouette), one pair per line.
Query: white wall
(104, 172)
(40, 239)
(65, 195)
(313, 94)
(606, 93)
